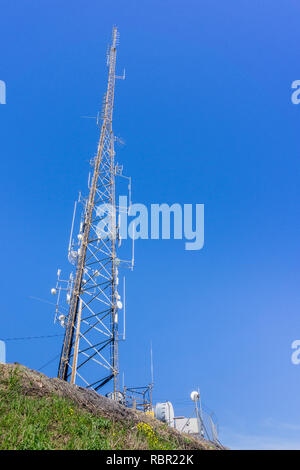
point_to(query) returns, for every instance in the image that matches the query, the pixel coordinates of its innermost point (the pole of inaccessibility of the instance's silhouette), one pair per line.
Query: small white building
(187, 425)
(165, 412)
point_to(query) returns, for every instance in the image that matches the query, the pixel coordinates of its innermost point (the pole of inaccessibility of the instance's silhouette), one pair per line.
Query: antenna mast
(90, 346)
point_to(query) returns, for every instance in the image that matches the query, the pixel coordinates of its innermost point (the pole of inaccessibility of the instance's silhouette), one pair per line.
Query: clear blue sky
(206, 114)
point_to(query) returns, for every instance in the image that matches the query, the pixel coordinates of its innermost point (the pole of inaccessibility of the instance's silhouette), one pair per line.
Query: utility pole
(195, 396)
(90, 346)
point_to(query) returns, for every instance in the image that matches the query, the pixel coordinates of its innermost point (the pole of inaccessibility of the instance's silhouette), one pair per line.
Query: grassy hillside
(41, 413)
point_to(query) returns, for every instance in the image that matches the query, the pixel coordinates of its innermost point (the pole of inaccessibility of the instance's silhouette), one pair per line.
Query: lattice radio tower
(90, 345)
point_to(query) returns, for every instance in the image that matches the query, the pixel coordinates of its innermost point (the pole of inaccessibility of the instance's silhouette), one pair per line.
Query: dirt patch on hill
(36, 384)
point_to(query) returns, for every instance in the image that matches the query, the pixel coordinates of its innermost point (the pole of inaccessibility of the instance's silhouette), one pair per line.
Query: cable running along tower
(90, 346)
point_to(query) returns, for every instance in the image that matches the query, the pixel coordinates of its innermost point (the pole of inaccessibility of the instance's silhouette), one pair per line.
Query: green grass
(56, 423)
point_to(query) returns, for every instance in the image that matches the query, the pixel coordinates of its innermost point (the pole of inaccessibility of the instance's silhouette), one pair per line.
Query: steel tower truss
(90, 346)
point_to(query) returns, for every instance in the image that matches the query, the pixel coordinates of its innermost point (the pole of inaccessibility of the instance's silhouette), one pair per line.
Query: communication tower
(90, 352)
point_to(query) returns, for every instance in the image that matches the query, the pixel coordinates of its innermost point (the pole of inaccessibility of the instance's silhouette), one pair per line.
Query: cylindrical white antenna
(124, 307)
(129, 192)
(118, 230)
(72, 226)
(57, 304)
(133, 233)
(151, 359)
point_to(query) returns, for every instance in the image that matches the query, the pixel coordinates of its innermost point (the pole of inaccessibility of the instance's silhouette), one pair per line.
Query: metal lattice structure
(139, 398)
(90, 346)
